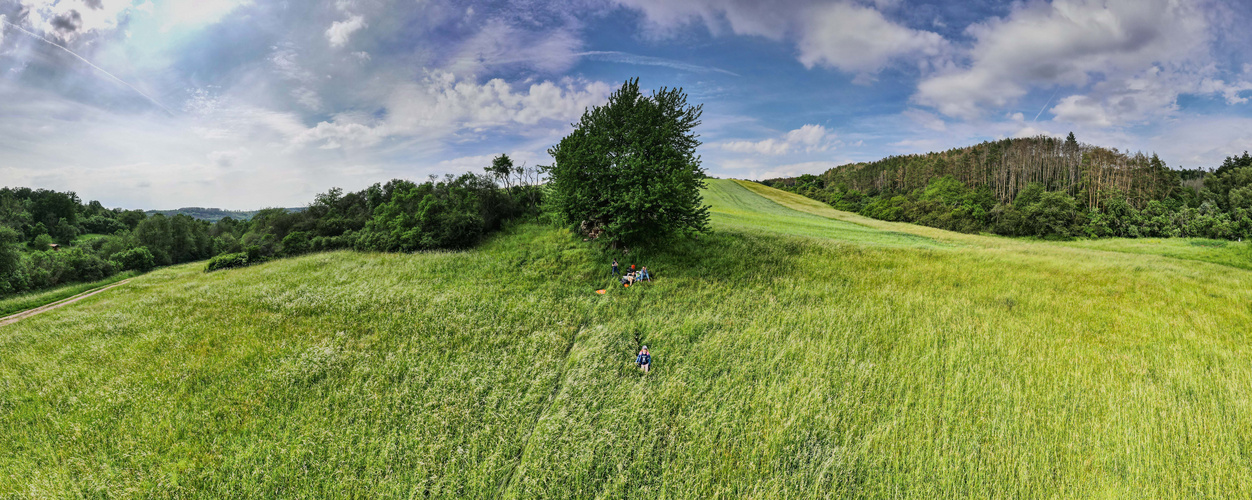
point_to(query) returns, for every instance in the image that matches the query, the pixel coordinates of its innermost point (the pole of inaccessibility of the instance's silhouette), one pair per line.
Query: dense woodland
(50, 238)
(1042, 186)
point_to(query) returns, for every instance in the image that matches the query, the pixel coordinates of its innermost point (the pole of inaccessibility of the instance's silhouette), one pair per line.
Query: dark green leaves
(630, 168)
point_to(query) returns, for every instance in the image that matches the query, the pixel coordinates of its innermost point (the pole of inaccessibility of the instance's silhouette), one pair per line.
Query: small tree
(502, 170)
(630, 168)
(135, 259)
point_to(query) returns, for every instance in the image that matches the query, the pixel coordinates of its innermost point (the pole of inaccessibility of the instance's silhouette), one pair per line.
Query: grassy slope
(1227, 253)
(795, 356)
(24, 302)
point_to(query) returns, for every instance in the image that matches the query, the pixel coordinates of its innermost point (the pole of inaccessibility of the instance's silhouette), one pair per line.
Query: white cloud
(307, 98)
(337, 134)
(925, 119)
(71, 19)
(1030, 131)
(1082, 109)
(476, 163)
(859, 39)
(795, 169)
(1066, 43)
(340, 31)
(197, 12)
(748, 168)
(1203, 141)
(744, 17)
(499, 43)
(808, 139)
(442, 105)
(1230, 91)
(844, 35)
(1140, 98)
(228, 158)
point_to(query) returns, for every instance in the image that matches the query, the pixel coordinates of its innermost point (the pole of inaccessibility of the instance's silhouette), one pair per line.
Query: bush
(454, 213)
(41, 242)
(47, 269)
(256, 253)
(103, 225)
(135, 259)
(296, 243)
(227, 261)
(1054, 214)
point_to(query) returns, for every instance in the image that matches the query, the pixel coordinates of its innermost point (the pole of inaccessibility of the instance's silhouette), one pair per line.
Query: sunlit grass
(1227, 253)
(795, 356)
(18, 303)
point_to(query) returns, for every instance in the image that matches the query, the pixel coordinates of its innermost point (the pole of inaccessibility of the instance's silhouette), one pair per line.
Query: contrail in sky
(1045, 105)
(84, 60)
(628, 58)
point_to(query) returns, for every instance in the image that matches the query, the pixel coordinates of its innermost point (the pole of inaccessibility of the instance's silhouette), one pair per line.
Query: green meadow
(799, 352)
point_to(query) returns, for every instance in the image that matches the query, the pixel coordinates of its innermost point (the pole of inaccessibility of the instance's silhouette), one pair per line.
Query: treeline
(1043, 187)
(49, 238)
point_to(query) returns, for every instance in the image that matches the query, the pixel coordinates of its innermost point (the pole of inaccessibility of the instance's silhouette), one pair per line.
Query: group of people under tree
(632, 276)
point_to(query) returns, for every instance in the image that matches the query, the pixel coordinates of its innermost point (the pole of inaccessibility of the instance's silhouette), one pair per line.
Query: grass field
(19, 303)
(798, 352)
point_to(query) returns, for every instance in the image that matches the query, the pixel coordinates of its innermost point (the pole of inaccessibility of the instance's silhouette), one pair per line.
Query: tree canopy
(630, 168)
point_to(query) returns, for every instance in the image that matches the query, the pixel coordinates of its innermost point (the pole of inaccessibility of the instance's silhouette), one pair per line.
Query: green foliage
(227, 261)
(41, 243)
(945, 203)
(63, 232)
(99, 224)
(453, 213)
(630, 168)
(135, 259)
(1134, 196)
(501, 168)
(1055, 214)
(48, 269)
(295, 243)
(10, 258)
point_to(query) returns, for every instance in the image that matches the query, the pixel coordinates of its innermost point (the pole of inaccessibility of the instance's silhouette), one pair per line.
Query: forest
(50, 238)
(1044, 187)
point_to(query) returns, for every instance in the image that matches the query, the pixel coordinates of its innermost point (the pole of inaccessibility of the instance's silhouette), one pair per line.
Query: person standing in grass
(614, 267)
(644, 359)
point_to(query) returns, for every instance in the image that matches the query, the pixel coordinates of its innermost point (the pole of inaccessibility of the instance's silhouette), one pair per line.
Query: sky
(244, 104)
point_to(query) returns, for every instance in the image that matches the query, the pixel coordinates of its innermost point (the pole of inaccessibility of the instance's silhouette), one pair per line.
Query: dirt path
(8, 320)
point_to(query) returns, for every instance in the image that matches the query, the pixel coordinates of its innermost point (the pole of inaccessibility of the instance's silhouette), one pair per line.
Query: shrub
(296, 243)
(41, 242)
(227, 261)
(103, 225)
(135, 259)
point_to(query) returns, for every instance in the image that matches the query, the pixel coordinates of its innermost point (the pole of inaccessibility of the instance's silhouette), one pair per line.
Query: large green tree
(630, 168)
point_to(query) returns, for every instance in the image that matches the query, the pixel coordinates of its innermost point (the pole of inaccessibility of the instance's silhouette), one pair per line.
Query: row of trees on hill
(628, 174)
(49, 238)
(1043, 187)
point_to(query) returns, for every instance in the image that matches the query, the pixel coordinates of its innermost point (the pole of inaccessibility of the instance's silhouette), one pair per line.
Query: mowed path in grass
(799, 353)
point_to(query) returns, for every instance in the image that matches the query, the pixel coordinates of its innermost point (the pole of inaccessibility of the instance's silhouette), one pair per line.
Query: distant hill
(212, 214)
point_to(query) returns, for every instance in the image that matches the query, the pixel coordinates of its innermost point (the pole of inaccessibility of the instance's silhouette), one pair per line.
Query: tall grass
(19, 303)
(794, 356)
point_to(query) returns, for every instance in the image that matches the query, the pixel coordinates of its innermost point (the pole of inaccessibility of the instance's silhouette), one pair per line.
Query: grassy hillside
(799, 352)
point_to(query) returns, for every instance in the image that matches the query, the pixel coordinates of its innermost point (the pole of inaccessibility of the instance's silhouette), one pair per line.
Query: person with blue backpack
(644, 359)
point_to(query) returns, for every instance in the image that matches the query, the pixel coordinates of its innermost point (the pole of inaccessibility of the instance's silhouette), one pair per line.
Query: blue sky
(251, 103)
